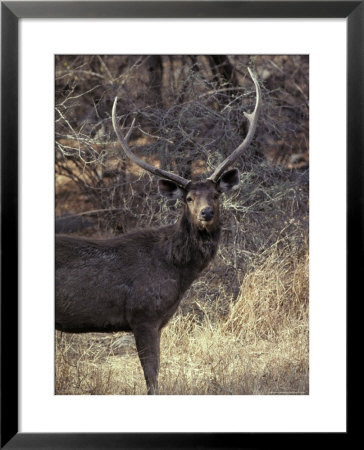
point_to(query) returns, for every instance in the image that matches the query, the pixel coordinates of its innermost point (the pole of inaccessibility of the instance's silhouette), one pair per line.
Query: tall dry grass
(258, 346)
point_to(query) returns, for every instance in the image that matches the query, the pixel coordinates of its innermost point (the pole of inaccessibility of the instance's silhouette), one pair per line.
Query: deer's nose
(207, 213)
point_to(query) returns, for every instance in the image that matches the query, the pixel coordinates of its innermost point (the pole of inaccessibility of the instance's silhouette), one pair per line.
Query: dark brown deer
(136, 281)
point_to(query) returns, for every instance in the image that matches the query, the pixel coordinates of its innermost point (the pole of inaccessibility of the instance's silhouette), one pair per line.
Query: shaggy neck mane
(191, 246)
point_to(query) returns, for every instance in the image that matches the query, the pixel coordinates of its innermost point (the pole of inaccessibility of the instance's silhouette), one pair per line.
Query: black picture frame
(11, 12)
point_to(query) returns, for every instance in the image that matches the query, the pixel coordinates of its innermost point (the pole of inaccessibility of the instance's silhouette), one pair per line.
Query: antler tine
(182, 182)
(130, 131)
(253, 120)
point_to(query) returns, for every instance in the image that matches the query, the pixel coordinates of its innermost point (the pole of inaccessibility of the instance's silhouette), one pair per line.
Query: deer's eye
(189, 199)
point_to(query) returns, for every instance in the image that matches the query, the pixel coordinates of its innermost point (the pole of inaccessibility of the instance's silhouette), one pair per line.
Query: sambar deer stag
(135, 282)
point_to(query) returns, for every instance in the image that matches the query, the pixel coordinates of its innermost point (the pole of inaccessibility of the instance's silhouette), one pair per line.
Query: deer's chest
(159, 296)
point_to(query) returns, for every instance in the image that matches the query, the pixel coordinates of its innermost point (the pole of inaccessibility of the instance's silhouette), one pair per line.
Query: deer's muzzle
(207, 214)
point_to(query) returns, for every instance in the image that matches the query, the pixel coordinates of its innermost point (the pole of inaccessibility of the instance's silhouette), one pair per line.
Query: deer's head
(201, 198)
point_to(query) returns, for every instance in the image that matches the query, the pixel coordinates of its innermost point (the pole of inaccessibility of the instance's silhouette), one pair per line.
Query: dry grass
(260, 346)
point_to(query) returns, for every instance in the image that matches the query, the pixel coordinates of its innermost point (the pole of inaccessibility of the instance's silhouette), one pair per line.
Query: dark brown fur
(135, 282)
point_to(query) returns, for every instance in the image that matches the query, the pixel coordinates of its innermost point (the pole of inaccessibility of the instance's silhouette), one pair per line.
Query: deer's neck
(191, 247)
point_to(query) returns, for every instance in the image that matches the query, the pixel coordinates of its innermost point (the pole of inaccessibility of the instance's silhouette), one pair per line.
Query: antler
(180, 181)
(253, 120)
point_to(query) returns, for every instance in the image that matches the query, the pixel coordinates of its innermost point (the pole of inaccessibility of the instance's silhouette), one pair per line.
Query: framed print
(168, 63)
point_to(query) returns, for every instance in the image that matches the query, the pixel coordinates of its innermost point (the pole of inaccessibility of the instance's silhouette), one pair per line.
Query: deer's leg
(147, 342)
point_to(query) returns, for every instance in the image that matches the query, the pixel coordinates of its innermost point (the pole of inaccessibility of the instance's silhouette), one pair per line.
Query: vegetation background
(242, 328)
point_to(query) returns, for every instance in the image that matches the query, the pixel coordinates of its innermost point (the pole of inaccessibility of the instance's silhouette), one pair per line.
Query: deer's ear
(229, 180)
(169, 189)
